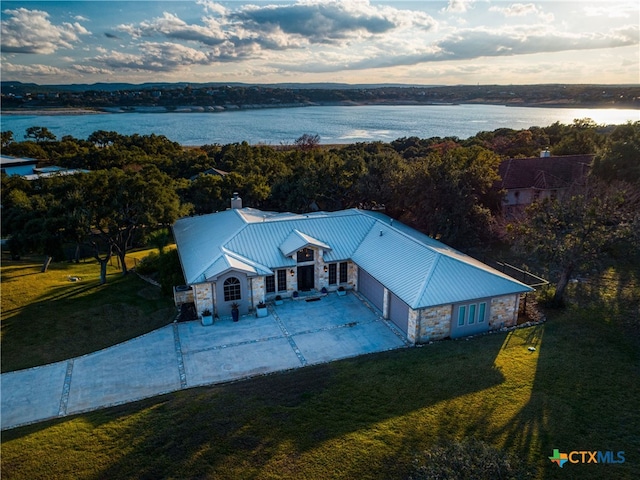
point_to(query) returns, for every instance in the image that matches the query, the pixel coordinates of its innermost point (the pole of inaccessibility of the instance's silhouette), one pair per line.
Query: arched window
(232, 289)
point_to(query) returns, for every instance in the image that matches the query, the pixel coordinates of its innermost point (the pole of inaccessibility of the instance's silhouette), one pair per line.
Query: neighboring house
(210, 171)
(429, 290)
(526, 180)
(27, 168)
(17, 166)
(45, 172)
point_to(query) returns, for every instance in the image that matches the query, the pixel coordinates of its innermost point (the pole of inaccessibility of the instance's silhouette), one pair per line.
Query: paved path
(184, 355)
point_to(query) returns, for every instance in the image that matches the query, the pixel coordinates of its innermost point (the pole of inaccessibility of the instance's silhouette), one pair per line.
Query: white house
(429, 290)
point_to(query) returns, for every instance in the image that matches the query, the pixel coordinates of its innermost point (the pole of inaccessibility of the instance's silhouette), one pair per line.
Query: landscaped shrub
(170, 271)
(165, 268)
(149, 264)
(468, 459)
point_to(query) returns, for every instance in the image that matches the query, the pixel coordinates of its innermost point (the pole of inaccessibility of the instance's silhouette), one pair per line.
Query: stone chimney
(236, 201)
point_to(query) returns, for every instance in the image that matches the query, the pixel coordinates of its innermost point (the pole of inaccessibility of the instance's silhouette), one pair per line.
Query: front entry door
(305, 278)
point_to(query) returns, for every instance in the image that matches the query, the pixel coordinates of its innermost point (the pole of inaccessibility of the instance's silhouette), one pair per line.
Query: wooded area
(444, 187)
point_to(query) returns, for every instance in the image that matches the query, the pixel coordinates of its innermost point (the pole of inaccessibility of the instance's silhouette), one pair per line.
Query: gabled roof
(418, 269)
(543, 172)
(297, 241)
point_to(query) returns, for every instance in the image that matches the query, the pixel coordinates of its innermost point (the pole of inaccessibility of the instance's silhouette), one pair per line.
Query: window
(462, 311)
(271, 284)
(481, 311)
(333, 273)
(472, 314)
(343, 272)
(231, 289)
(282, 280)
(305, 255)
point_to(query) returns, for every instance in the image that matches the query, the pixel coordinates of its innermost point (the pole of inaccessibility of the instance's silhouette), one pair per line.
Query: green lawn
(47, 318)
(370, 416)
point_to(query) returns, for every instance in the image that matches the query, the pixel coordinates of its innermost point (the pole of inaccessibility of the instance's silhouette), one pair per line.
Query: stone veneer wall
(258, 290)
(432, 323)
(203, 293)
(504, 311)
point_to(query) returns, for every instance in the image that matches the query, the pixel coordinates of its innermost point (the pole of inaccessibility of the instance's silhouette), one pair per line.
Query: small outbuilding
(427, 289)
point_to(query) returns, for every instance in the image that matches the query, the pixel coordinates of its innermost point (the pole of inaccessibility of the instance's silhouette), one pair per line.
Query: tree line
(136, 184)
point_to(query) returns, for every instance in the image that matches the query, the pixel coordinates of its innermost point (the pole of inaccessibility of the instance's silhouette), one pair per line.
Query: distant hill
(216, 95)
(20, 88)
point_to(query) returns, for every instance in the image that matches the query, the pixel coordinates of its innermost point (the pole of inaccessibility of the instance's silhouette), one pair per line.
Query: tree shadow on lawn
(582, 398)
(74, 319)
(240, 429)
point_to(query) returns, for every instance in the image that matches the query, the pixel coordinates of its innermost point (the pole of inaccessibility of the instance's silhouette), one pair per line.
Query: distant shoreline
(56, 111)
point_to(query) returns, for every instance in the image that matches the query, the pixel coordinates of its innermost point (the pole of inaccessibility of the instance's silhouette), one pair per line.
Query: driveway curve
(184, 355)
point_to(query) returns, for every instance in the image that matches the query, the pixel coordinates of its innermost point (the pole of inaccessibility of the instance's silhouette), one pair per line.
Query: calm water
(333, 124)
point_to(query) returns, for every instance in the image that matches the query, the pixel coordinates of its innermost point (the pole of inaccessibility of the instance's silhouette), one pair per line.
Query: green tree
(619, 159)
(446, 195)
(40, 134)
(574, 233)
(581, 137)
(121, 204)
(7, 138)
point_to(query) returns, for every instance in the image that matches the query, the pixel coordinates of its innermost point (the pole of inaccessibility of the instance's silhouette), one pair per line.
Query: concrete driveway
(183, 355)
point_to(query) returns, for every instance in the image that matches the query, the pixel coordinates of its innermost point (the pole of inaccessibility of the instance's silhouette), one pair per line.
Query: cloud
(521, 9)
(30, 70)
(90, 70)
(213, 7)
(481, 42)
(458, 6)
(320, 22)
(156, 57)
(477, 43)
(170, 26)
(611, 11)
(30, 31)
(249, 29)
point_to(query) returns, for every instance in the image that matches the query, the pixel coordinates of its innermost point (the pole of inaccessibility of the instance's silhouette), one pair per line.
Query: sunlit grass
(65, 312)
(367, 417)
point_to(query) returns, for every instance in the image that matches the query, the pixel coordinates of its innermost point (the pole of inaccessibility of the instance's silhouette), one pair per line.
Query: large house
(427, 289)
(527, 180)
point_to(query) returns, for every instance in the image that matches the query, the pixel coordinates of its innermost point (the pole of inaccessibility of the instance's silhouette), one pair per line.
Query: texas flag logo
(559, 458)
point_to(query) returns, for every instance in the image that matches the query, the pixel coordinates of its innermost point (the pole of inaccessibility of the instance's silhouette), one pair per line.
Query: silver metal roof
(418, 269)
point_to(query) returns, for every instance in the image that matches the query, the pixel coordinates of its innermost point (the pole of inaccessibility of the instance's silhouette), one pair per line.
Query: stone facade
(432, 323)
(321, 277)
(258, 290)
(504, 311)
(203, 293)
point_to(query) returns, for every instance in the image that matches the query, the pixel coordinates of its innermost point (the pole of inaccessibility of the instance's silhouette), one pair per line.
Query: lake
(334, 124)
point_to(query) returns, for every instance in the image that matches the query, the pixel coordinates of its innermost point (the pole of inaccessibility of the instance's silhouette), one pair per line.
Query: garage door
(370, 288)
(399, 312)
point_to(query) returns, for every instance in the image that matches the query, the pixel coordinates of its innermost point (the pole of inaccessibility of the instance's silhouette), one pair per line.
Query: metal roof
(418, 269)
(297, 241)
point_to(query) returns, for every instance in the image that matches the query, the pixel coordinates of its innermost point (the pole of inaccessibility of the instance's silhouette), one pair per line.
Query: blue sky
(352, 41)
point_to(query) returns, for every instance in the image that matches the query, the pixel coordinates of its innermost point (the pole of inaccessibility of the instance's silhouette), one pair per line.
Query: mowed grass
(370, 416)
(47, 318)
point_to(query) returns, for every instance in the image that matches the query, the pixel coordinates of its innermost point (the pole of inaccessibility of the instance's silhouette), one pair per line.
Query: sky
(348, 41)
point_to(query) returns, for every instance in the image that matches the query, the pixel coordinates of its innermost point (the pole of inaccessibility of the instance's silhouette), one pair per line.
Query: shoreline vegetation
(55, 111)
(20, 98)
